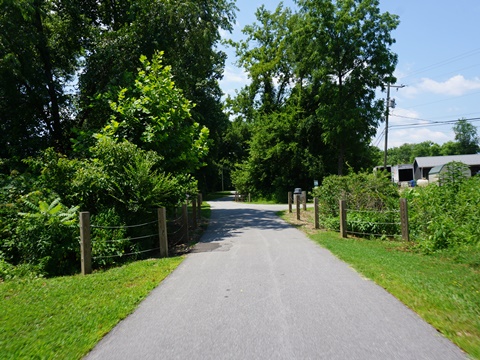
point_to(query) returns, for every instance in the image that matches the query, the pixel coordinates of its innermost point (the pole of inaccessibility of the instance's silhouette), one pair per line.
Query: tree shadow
(227, 223)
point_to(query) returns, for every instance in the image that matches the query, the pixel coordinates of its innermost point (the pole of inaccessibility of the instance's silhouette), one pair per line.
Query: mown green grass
(444, 289)
(64, 317)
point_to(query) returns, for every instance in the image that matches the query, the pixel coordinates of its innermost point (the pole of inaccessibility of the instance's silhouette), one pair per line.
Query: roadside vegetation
(436, 273)
(64, 317)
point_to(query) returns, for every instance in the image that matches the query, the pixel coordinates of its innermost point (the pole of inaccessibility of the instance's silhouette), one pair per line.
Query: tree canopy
(320, 68)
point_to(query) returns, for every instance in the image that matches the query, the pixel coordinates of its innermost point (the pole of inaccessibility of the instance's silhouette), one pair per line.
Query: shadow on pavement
(234, 219)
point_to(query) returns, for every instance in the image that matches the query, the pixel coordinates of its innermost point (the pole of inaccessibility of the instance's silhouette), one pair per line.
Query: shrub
(109, 238)
(47, 236)
(361, 191)
(370, 199)
(447, 216)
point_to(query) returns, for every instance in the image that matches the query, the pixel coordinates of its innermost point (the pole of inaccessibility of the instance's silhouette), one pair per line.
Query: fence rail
(181, 225)
(395, 219)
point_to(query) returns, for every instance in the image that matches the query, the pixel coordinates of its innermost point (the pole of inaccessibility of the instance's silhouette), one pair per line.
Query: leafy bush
(108, 242)
(447, 216)
(361, 191)
(378, 223)
(20, 271)
(370, 198)
(47, 236)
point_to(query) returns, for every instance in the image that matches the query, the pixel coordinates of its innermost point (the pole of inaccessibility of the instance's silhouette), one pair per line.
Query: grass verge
(442, 289)
(64, 317)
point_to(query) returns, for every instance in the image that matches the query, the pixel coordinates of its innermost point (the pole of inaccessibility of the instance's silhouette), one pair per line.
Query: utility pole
(387, 111)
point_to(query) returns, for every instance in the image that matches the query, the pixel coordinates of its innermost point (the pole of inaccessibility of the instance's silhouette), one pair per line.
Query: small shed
(435, 172)
(423, 165)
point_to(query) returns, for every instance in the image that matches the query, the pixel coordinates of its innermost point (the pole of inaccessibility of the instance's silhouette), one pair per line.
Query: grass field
(64, 317)
(444, 289)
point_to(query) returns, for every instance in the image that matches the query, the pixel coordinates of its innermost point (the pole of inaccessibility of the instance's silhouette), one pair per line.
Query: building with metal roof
(423, 165)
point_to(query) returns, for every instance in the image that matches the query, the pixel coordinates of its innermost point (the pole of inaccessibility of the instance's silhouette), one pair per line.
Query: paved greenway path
(256, 288)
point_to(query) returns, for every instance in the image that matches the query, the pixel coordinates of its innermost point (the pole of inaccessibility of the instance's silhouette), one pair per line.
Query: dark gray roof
(432, 161)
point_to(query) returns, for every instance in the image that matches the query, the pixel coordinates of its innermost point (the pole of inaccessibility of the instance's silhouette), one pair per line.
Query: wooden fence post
(297, 202)
(185, 221)
(304, 200)
(200, 200)
(315, 205)
(404, 219)
(194, 213)
(162, 231)
(289, 201)
(85, 243)
(343, 218)
(249, 198)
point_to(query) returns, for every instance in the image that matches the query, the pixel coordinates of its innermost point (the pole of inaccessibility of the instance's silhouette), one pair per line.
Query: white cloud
(414, 136)
(233, 75)
(233, 79)
(455, 86)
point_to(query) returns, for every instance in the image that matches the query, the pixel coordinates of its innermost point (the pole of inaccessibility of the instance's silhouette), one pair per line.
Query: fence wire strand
(123, 227)
(372, 222)
(128, 254)
(126, 239)
(368, 234)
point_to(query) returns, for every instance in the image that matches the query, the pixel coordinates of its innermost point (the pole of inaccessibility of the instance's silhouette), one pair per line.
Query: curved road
(256, 288)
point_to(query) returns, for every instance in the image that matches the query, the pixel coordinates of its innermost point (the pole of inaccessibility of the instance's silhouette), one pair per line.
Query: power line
(439, 101)
(429, 122)
(442, 63)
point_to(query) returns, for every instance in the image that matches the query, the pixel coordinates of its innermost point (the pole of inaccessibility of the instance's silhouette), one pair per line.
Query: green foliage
(466, 137)
(40, 52)
(311, 105)
(372, 203)
(447, 216)
(155, 115)
(47, 235)
(109, 238)
(121, 183)
(374, 223)
(276, 163)
(338, 38)
(361, 191)
(455, 173)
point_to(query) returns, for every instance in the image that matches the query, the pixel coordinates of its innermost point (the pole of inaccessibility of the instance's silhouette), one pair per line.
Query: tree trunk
(44, 52)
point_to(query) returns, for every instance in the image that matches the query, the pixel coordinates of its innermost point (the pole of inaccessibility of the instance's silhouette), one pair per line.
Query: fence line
(344, 223)
(163, 234)
(122, 227)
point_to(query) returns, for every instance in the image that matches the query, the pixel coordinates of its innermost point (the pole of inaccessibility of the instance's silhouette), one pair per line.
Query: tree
(466, 136)
(269, 62)
(40, 46)
(187, 32)
(346, 45)
(316, 70)
(154, 115)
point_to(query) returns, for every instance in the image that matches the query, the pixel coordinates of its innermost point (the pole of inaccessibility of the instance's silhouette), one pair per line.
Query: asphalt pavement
(257, 288)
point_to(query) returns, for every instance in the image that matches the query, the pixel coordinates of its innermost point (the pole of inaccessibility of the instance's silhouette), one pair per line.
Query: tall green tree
(154, 115)
(346, 44)
(467, 137)
(40, 49)
(188, 33)
(266, 55)
(320, 67)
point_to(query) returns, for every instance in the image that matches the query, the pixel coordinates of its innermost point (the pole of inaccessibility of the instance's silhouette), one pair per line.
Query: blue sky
(438, 47)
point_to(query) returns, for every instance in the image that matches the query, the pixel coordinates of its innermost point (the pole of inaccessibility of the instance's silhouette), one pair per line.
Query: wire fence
(107, 245)
(374, 223)
(366, 222)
